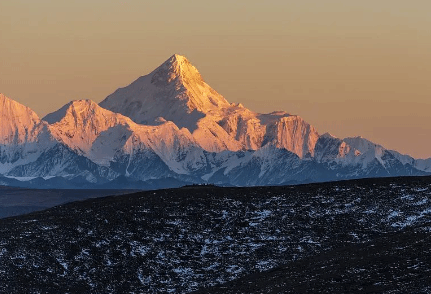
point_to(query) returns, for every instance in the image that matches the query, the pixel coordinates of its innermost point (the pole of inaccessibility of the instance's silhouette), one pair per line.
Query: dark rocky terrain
(329, 237)
(396, 262)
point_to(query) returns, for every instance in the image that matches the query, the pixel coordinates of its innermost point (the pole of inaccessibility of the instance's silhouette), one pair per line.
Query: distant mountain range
(169, 128)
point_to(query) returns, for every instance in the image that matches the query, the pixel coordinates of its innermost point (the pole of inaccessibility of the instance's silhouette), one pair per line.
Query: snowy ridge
(170, 124)
(176, 92)
(80, 122)
(103, 136)
(23, 136)
(18, 123)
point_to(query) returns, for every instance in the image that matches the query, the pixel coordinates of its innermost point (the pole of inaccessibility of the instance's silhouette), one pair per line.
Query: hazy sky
(347, 67)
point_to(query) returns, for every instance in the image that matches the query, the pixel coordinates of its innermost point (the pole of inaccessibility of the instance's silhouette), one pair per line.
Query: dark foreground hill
(393, 263)
(182, 240)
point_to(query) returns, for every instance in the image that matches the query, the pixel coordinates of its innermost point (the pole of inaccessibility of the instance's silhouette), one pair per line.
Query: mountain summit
(175, 91)
(18, 123)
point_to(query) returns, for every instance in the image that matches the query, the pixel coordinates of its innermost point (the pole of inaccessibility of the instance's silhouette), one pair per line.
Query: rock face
(170, 124)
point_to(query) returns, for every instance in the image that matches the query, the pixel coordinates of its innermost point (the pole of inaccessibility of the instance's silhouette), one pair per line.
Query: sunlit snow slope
(171, 126)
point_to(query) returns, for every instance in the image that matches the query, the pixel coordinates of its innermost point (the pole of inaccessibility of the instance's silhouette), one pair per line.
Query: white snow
(173, 115)
(176, 92)
(23, 136)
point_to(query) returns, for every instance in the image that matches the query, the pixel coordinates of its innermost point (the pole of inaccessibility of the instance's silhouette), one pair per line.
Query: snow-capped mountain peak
(171, 124)
(106, 137)
(361, 144)
(84, 112)
(175, 91)
(175, 67)
(178, 70)
(73, 108)
(18, 123)
(23, 136)
(78, 123)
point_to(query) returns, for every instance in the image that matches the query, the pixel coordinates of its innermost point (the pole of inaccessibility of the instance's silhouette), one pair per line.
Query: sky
(347, 67)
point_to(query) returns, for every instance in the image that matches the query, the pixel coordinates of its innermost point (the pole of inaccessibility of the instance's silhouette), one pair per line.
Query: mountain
(176, 92)
(81, 125)
(23, 136)
(114, 141)
(29, 149)
(18, 124)
(170, 124)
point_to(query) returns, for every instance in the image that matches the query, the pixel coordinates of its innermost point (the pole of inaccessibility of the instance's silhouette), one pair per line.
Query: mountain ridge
(216, 124)
(172, 124)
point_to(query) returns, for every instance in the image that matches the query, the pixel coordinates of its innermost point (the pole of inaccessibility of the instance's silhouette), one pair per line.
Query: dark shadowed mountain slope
(180, 240)
(397, 262)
